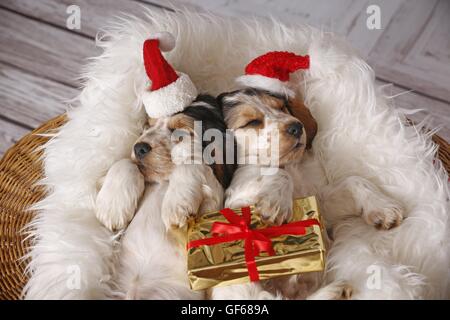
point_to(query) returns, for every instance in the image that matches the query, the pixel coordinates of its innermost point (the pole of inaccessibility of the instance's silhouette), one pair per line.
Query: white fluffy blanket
(360, 133)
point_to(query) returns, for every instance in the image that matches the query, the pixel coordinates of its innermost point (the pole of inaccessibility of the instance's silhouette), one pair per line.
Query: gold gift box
(224, 264)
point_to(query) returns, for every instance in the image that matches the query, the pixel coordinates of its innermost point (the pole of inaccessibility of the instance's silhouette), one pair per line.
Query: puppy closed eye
(252, 123)
(178, 134)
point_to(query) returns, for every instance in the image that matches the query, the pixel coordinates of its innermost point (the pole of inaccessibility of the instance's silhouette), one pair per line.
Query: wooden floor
(40, 58)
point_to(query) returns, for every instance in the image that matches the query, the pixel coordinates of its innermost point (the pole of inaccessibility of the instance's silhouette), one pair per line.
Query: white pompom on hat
(170, 91)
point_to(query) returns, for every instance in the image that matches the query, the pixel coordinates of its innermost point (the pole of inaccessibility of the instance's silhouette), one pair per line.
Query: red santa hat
(271, 71)
(170, 91)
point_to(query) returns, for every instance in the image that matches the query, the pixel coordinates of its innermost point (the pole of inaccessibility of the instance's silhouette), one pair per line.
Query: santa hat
(271, 71)
(170, 91)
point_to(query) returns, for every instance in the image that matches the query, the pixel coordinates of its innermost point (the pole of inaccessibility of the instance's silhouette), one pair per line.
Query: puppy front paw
(119, 195)
(112, 217)
(274, 211)
(384, 213)
(176, 214)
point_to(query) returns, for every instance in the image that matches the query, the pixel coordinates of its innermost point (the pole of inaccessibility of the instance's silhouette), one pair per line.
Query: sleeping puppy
(283, 127)
(178, 184)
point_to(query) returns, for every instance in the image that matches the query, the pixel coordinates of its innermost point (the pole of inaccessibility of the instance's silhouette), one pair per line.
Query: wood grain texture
(95, 14)
(43, 50)
(29, 99)
(345, 17)
(414, 49)
(10, 133)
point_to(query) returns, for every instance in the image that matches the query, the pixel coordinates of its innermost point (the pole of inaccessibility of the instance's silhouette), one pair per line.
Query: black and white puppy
(168, 156)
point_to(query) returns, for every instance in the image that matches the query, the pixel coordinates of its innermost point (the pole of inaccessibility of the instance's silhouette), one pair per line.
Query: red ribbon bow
(256, 240)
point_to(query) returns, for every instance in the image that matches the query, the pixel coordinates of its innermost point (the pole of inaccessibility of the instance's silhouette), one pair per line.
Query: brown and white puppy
(269, 123)
(178, 184)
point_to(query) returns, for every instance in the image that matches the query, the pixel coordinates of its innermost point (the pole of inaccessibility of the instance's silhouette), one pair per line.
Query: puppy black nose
(295, 129)
(141, 149)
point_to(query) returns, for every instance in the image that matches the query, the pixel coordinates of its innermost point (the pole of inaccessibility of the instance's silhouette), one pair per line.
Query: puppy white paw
(275, 211)
(176, 214)
(119, 195)
(384, 213)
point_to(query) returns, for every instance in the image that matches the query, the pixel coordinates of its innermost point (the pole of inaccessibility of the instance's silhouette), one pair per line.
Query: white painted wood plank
(9, 135)
(344, 17)
(413, 52)
(431, 51)
(95, 14)
(359, 35)
(29, 99)
(42, 49)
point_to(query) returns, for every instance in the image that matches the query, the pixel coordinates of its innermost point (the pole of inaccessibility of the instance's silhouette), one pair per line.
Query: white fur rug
(359, 134)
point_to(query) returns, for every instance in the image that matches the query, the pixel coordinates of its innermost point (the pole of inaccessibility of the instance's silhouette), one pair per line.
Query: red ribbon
(256, 240)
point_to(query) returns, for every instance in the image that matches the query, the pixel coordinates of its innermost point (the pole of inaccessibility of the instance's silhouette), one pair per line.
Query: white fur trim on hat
(170, 99)
(265, 83)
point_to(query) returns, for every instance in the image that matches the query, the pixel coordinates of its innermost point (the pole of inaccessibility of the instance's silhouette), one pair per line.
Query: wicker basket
(20, 169)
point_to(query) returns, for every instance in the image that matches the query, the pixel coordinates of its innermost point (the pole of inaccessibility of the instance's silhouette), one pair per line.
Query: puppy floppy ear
(302, 113)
